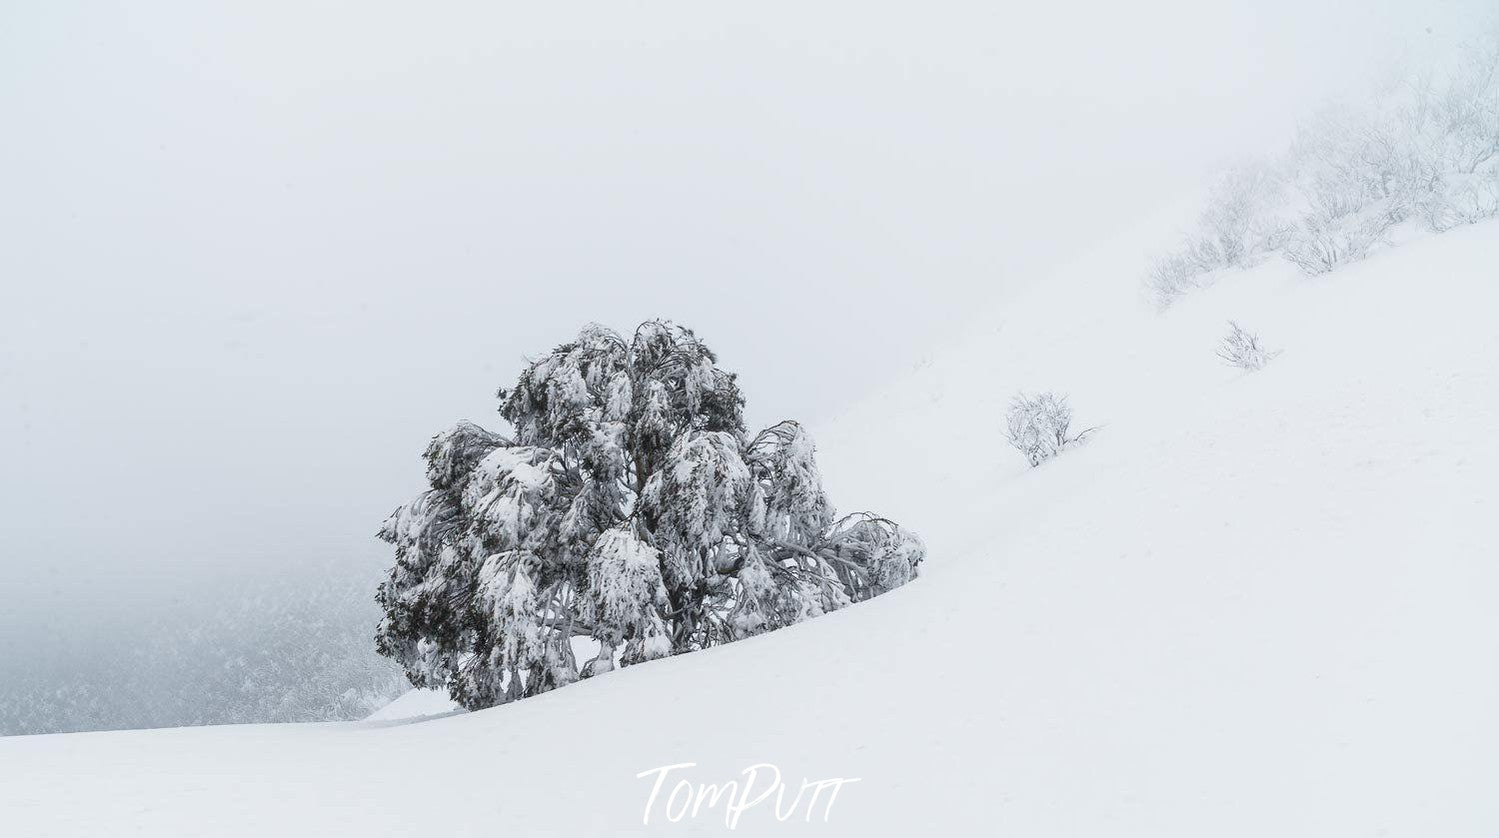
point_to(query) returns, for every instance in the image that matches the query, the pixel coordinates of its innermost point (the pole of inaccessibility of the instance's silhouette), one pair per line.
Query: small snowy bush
(630, 507)
(1235, 229)
(1171, 276)
(1320, 243)
(1039, 426)
(1242, 349)
(1469, 200)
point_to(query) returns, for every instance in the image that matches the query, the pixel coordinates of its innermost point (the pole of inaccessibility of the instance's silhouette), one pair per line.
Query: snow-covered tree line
(630, 515)
(1421, 154)
(292, 649)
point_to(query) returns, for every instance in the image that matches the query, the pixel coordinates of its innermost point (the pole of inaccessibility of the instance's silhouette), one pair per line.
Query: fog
(253, 257)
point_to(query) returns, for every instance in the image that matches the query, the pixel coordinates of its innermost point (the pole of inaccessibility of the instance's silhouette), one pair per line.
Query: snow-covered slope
(415, 704)
(1255, 604)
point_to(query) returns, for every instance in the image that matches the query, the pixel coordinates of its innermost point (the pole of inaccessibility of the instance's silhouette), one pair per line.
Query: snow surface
(1253, 604)
(415, 704)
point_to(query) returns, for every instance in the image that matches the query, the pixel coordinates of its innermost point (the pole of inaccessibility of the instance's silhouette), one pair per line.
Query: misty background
(252, 256)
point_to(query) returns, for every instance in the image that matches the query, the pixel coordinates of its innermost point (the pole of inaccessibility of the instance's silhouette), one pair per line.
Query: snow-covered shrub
(1171, 276)
(1468, 199)
(1237, 223)
(1040, 426)
(1242, 349)
(1320, 243)
(1235, 229)
(631, 507)
(1421, 152)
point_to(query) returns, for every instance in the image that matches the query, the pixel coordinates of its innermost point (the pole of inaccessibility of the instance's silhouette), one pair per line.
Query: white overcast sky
(252, 255)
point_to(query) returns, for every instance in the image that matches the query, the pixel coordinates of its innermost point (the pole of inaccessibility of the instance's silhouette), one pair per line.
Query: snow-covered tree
(1242, 349)
(1040, 426)
(632, 511)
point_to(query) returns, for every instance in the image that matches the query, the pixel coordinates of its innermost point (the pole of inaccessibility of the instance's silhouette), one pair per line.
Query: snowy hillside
(1253, 604)
(415, 704)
